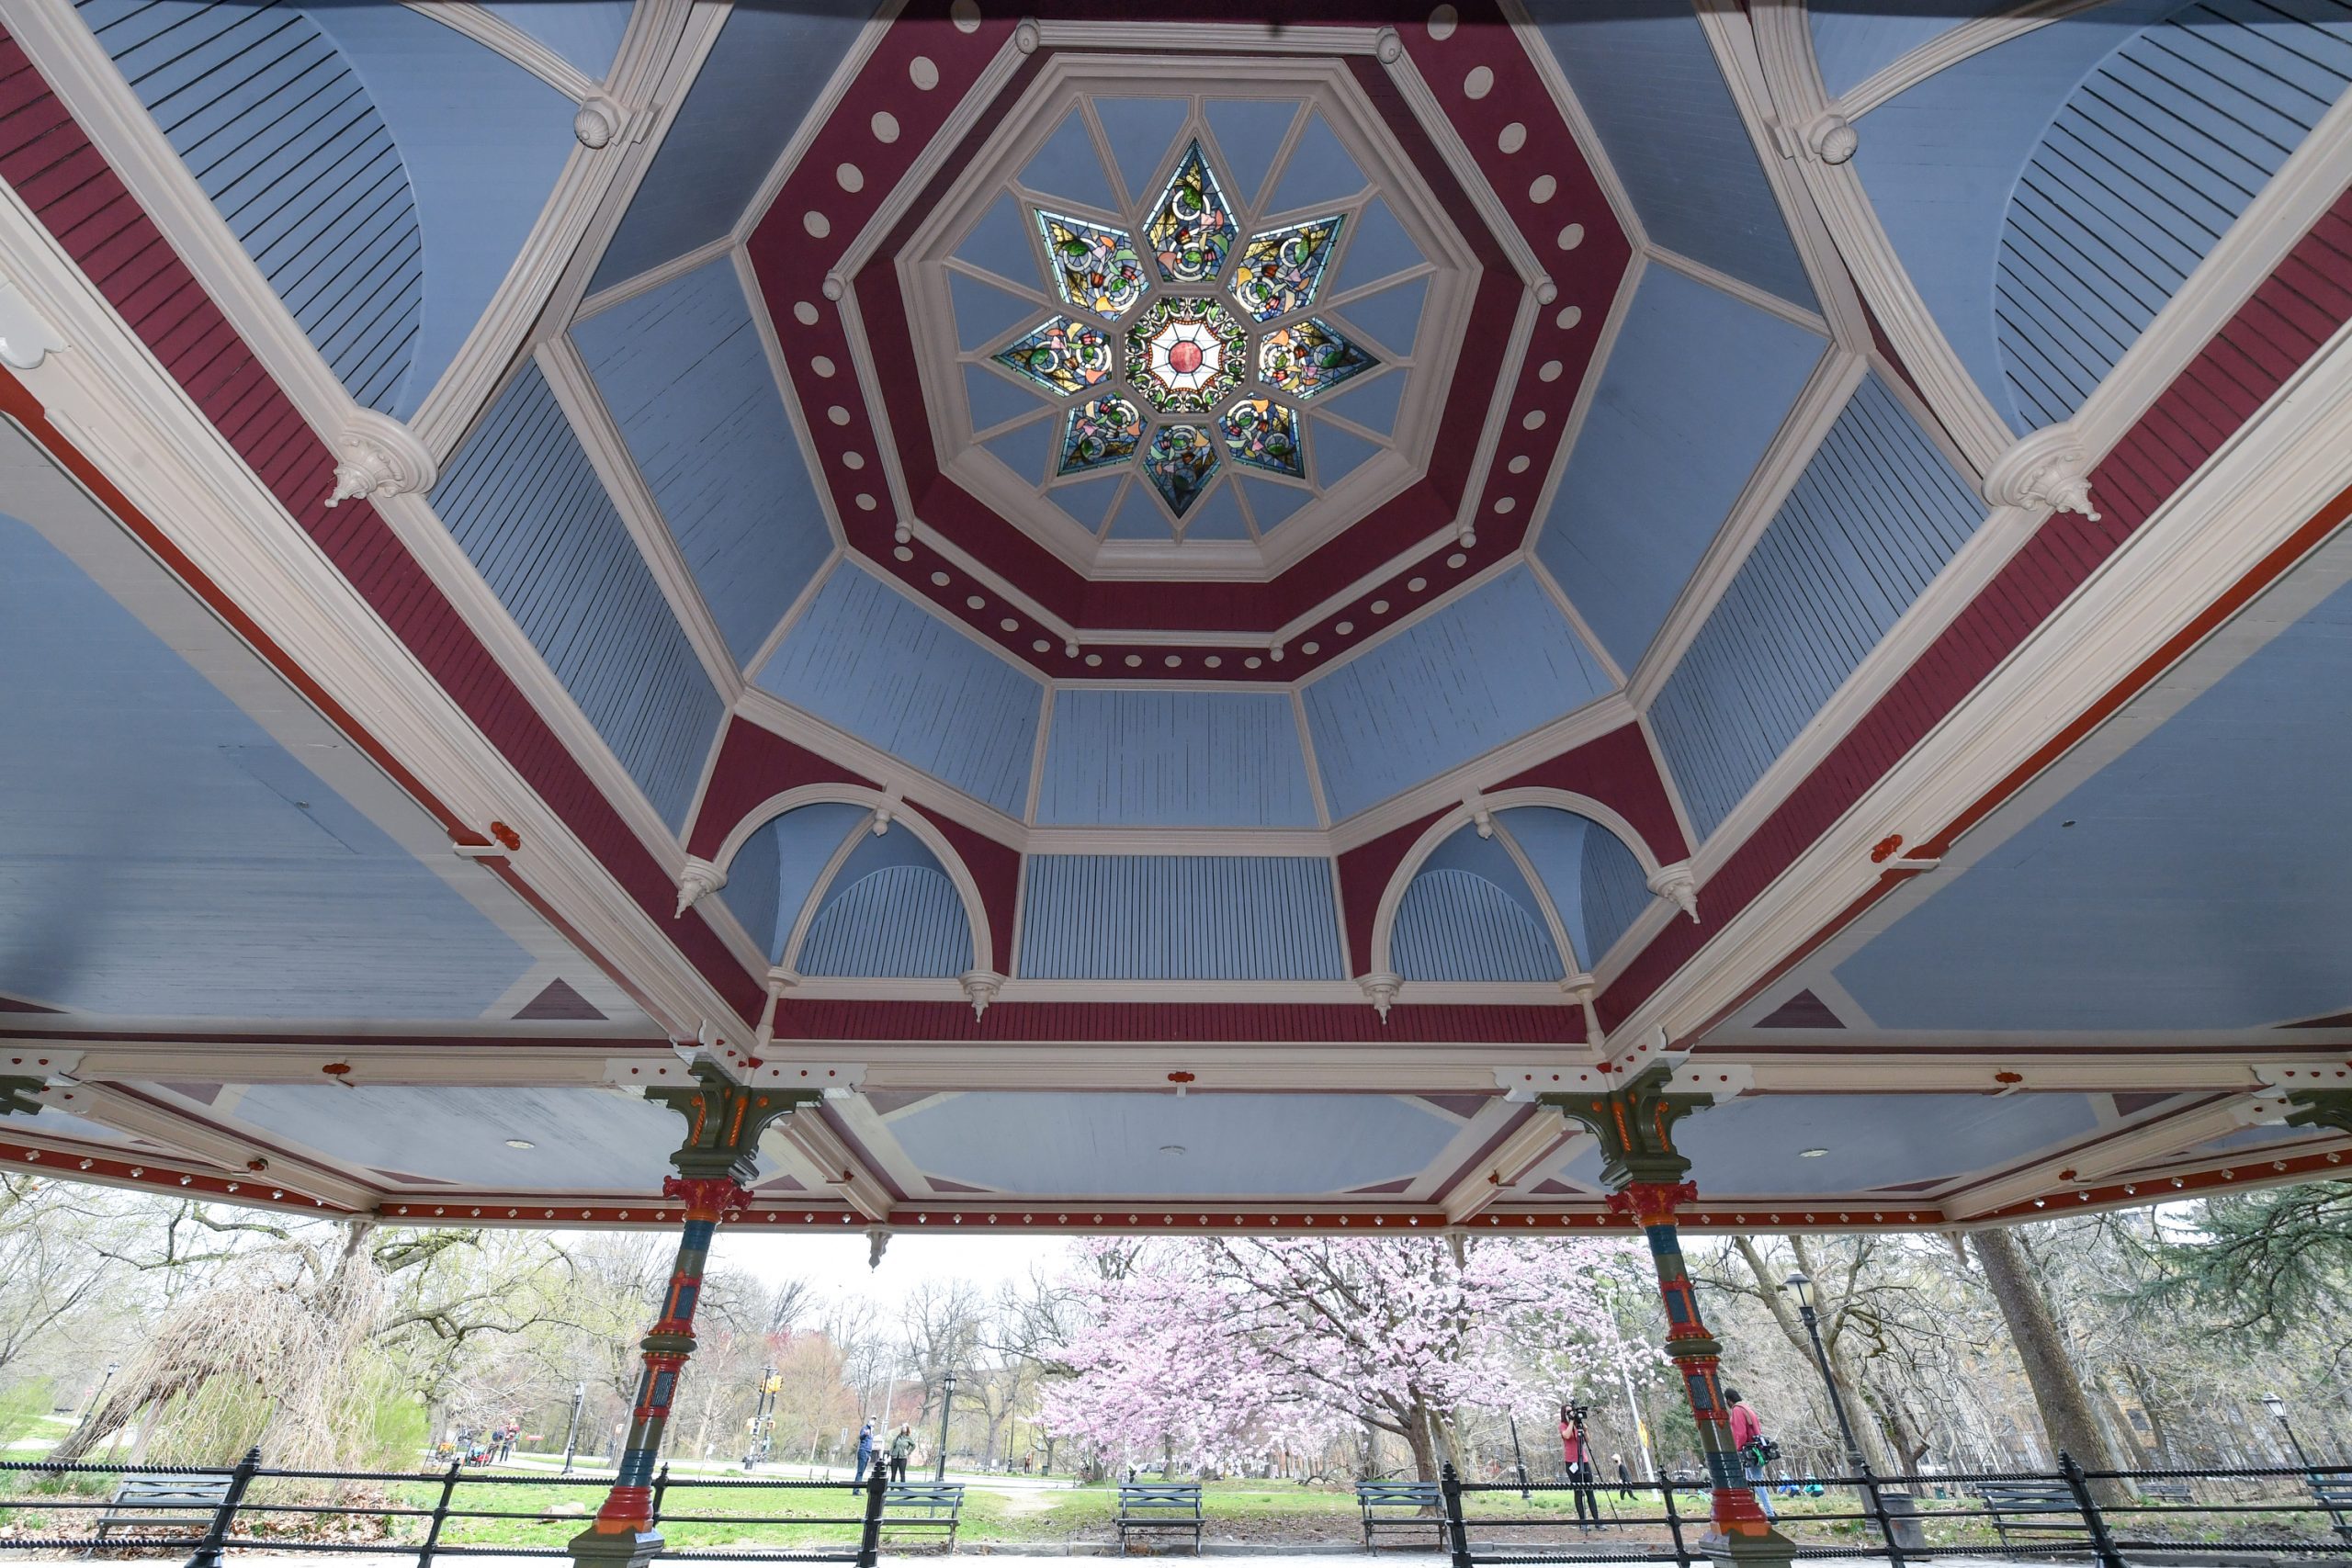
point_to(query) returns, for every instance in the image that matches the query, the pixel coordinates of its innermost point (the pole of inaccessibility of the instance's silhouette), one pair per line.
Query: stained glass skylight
(1264, 434)
(1280, 268)
(1309, 356)
(1099, 434)
(1180, 463)
(1183, 355)
(1191, 230)
(1094, 268)
(1063, 355)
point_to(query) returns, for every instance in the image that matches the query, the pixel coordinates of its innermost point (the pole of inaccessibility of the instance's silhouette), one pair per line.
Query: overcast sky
(835, 1265)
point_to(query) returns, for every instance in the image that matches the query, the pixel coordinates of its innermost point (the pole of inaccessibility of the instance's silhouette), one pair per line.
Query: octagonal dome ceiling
(1194, 334)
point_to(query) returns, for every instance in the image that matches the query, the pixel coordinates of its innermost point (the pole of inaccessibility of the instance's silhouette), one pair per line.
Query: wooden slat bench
(177, 1502)
(925, 1505)
(1160, 1506)
(1399, 1504)
(2036, 1510)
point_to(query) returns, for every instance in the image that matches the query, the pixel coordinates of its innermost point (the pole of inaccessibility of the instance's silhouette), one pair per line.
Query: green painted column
(1649, 1177)
(724, 1121)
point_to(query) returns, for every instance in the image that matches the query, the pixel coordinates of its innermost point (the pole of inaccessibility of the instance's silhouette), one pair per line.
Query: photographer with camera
(1576, 1456)
(1756, 1451)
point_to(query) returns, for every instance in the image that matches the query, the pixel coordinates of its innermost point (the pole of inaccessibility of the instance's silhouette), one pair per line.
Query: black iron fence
(209, 1510)
(2112, 1518)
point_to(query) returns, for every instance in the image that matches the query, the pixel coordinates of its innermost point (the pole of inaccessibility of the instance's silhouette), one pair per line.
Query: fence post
(2102, 1544)
(207, 1550)
(1673, 1520)
(661, 1490)
(1877, 1512)
(1457, 1533)
(869, 1540)
(440, 1514)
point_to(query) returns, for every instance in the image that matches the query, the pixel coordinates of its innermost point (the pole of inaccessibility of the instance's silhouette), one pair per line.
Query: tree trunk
(2058, 1394)
(1418, 1438)
(1859, 1410)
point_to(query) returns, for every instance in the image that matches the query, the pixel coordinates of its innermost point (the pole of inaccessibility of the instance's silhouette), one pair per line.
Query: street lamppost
(760, 1408)
(99, 1392)
(1517, 1458)
(2277, 1409)
(947, 1402)
(1808, 1298)
(571, 1432)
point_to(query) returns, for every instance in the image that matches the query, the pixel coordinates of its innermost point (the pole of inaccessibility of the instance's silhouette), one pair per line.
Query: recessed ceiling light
(1811, 1153)
(521, 1144)
(1171, 1148)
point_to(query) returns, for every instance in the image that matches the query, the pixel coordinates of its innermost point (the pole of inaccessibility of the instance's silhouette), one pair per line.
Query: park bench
(141, 1502)
(1399, 1505)
(2036, 1510)
(924, 1505)
(1160, 1506)
(2170, 1492)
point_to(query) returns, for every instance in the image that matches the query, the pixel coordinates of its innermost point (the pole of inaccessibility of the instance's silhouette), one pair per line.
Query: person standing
(1625, 1477)
(902, 1448)
(1577, 1460)
(1747, 1440)
(865, 1452)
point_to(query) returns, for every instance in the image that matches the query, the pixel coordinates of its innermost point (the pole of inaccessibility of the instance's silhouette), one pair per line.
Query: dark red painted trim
(755, 765)
(1177, 1023)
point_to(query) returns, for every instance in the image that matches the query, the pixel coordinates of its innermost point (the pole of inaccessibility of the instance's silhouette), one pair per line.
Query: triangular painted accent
(983, 314)
(1391, 318)
(1249, 133)
(1803, 1011)
(2333, 1021)
(1068, 168)
(1217, 516)
(1000, 243)
(560, 1000)
(1320, 172)
(10, 1004)
(1338, 453)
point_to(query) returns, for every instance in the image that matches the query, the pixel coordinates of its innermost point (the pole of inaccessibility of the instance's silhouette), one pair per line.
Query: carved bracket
(1381, 990)
(1679, 885)
(697, 881)
(2046, 472)
(377, 457)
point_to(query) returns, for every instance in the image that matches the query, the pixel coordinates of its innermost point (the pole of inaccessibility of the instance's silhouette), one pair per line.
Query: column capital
(1634, 1123)
(2316, 1108)
(724, 1121)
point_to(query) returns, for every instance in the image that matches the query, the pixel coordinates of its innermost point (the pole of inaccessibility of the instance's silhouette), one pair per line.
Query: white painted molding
(1972, 36)
(377, 456)
(697, 880)
(980, 986)
(1679, 885)
(500, 36)
(2046, 472)
(600, 121)
(26, 336)
(1831, 138)
(1381, 987)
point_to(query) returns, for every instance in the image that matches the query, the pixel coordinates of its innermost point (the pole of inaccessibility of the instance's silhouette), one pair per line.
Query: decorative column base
(1767, 1547)
(624, 1548)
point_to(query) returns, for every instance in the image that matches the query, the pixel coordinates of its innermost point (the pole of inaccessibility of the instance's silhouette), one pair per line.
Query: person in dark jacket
(865, 1452)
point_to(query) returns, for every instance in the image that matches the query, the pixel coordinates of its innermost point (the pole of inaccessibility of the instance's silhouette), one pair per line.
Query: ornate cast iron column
(724, 1121)
(2307, 1108)
(1649, 1177)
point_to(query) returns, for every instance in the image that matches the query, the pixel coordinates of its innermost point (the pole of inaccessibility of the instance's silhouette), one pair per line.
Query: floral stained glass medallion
(1183, 355)
(1179, 462)
(1191, 229)
(1281, 269)
(1105, 430)
(1095, 268)
(1263, 434)
(1062, 355)
(1309, 356)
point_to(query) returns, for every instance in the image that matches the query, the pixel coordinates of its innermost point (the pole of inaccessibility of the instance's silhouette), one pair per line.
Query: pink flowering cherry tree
(1218, 1350)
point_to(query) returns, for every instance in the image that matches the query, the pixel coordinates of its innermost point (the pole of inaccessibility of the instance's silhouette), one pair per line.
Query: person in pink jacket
(1747, 1438)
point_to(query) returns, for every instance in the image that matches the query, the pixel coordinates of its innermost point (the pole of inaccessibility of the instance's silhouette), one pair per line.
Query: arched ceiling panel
(1455, 925)
(900, 920)
(587, 33)
(1639, 503)
(1854, 40)
(1643, 71)
(682, 370)
(1593, 881)
(762, 78)
(772, 877)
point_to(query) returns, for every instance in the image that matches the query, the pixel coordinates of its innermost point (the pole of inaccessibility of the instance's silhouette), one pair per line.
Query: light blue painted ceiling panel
(2196, 888)
(583, 1140)
(1640, 501)
(1271, 504)
(1483, 670)
(983, 314)
(1150, 1144)
(1854, 40)
(279, 131)
(995, 398)
(1248, 132)
(1375, 246)
(687, 380)
(1179, 917)
(161, 854)
(1751, 1146)
(1318, 172)
(1140, 131)
(774, 874)
(1001, 243)
(1174, 760)
(2147, 166)
(1648, 82)
(866, 657)
(900, 922)
(1067, 168)
(1875, 518)
(762, 77)
(522, 500)
(1940, 159)
(587, 33)
(1336, 453)
(1452, 925)
(446, 97)
(1392, 318)
(1614, 893)
(1558, 845)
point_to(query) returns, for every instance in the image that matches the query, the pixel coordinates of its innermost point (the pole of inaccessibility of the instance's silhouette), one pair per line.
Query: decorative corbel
(1581, 987)
(599, 122)
(20, 1096)
(877, 1241)
(1679, 885)
(25, 337)
(1382, 989)
(379, 456)
(980, 986)
(696, 882)
(780, 980)
(2046, 472)
(1481, 816)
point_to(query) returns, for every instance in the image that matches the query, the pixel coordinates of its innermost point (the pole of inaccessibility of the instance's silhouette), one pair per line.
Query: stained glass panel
(1062, 355)
(1179, 462)
(1107, 430)
(1184, 355)
(1280, 268)
(1309, 356)
(1094, 269)
(1191, 230)
(1264, 434)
